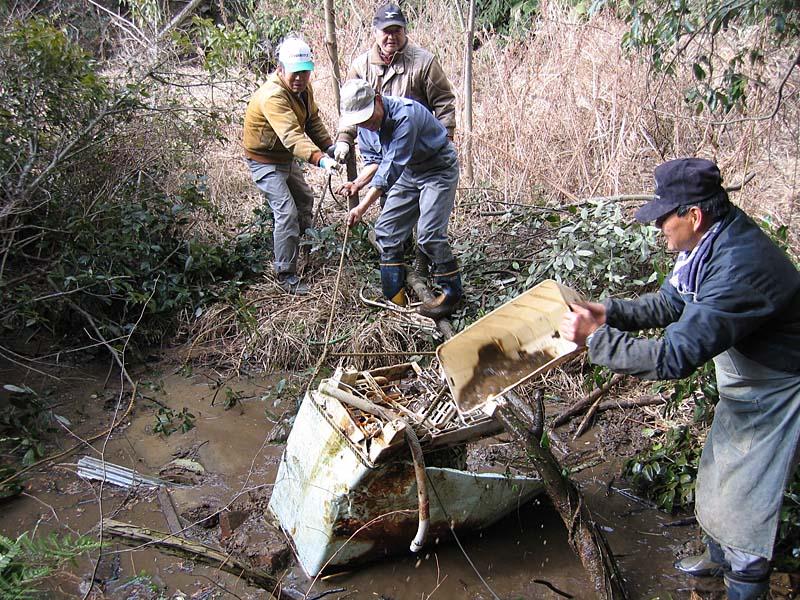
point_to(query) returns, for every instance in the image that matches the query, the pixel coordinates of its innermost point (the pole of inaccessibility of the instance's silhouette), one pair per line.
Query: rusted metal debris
(346, 490)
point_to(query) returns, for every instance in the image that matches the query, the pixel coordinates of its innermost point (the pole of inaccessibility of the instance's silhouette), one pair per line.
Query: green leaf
(699, 72)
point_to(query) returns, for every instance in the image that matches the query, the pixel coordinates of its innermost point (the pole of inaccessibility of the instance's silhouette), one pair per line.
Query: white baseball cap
(295, 55)
(357, 103)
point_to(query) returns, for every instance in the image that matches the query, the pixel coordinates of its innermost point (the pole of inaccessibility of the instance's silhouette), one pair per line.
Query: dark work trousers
(423, 196)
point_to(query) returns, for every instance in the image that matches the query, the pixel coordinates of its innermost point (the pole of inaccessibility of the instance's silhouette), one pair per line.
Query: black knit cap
(681, 182)
(388, 15)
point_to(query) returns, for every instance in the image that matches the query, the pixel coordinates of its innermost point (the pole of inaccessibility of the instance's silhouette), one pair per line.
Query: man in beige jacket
(395, 66)
(282, 126)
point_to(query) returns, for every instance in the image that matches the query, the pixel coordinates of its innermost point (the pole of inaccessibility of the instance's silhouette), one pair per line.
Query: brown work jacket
(280, 125)
(414, 73)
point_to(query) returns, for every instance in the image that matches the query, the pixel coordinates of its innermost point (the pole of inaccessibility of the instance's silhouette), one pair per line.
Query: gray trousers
(291, 201)
(741, 563)
(422, 196)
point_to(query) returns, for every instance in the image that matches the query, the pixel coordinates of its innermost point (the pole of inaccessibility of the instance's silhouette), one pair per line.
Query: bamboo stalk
(469, 35)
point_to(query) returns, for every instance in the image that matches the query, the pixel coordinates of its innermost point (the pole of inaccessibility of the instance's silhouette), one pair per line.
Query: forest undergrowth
(129, 221)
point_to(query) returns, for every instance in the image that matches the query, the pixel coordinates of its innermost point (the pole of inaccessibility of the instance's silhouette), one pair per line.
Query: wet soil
(523, 556)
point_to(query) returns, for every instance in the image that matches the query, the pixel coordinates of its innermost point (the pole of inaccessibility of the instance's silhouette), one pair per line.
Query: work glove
(329, 165)
(340, 151)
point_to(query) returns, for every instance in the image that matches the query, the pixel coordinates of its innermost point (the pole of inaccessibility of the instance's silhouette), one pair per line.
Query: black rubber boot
(422, 265)
(710, 563)
(292, 284)
(742, 587)
(448, 277)
(393, 279)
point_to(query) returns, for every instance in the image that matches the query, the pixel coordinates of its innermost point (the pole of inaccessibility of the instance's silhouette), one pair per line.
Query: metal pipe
(416, 454)
(422, 490)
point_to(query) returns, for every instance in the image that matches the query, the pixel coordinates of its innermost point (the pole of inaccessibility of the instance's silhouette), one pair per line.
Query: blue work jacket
(409, 136)
(747, 298)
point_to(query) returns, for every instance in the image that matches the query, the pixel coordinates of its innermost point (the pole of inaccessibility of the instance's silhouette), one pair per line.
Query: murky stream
(523, 556)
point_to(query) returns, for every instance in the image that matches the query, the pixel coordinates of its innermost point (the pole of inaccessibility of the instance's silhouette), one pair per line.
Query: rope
(328, 327)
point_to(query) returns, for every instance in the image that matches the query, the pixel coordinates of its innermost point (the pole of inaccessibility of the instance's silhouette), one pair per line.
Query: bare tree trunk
(333, 54)
(469, 34)
(526, 426)
(179, 18)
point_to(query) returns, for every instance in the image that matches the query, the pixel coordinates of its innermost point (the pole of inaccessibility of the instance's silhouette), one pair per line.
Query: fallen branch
(643, 401)
(526, 425)
(587, 401)
(587, 419)
(164, 542)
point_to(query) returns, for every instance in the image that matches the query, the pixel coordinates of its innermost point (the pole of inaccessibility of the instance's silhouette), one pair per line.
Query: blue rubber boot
(393, 279)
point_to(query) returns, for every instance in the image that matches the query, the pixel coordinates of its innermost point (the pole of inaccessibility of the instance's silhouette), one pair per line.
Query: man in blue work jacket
(409, 158)
(733, 297)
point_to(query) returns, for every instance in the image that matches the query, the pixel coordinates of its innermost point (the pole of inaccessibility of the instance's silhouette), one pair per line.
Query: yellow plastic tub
(510, 345)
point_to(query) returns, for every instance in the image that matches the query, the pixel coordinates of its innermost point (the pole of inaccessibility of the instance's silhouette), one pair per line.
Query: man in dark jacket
(733, 297)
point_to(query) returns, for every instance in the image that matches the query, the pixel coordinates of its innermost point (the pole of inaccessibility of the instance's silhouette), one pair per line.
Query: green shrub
(250, 39)
(667, 471)
(94, 235)
(599, 251)
(25, 562)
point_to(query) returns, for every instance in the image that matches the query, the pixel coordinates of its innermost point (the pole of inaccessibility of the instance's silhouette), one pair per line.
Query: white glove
(329, 165)
(341, 151)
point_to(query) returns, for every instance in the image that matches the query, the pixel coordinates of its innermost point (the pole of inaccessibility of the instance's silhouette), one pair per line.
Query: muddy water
(523, 556)
(496, 371)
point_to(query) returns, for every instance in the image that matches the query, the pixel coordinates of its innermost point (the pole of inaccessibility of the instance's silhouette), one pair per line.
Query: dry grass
(561, 115)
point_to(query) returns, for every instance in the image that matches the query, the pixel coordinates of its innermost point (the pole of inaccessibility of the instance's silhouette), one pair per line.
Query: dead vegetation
(560, 116)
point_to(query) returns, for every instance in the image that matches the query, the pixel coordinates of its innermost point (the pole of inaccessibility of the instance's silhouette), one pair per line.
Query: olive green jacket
(414, 73)
(280, 125)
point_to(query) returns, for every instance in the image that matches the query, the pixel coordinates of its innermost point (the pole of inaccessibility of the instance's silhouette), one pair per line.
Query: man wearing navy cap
(733, 297)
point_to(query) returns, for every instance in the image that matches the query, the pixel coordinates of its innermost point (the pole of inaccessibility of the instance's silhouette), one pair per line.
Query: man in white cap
(282, 126)
(396, 66)
(733, 297)
(409, 158)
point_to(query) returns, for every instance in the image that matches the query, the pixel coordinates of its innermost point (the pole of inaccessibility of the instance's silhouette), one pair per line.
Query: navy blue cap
(681, 182)
(387, 16)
